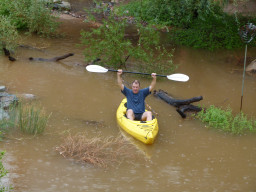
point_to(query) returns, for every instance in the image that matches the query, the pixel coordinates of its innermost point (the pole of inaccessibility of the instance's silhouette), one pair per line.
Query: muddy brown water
(186, 156)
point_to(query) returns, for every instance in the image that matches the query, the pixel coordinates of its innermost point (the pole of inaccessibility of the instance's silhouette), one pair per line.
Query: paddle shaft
(137, 73)
(100, 69)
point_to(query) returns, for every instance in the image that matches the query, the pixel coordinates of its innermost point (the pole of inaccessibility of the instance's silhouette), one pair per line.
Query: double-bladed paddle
(174, 77)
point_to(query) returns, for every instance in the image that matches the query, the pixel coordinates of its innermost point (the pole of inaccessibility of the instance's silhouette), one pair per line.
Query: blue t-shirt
(136, 101)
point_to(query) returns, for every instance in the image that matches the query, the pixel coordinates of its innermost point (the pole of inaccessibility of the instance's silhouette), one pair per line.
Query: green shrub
(216, 117)
(8, 33)
(168, 12)
(165, 12)
(195, 23)
(240, 123)
(30, 15)
(225, 121)
(109, 43)
(40, 20)
(212, 32)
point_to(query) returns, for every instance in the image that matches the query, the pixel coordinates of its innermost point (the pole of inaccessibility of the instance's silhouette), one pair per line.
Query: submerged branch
(181, 105)
(8, 54)
(52, 59)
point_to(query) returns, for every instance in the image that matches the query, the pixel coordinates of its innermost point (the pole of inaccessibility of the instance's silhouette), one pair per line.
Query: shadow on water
(186, 156)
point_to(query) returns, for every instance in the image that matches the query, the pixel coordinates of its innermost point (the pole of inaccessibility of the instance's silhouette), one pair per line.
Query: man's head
(135, 86)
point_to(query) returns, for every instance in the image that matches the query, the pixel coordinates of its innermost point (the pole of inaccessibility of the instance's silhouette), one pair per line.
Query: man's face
(135, 87)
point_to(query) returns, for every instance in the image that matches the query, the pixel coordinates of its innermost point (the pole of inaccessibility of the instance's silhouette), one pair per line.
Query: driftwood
(181, 110)
(8, 54)
(181, 105)
(51, 59)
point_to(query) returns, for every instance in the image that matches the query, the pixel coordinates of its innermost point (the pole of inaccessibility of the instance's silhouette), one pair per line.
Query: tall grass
(3, 172)
(224, 120)
(32, 118)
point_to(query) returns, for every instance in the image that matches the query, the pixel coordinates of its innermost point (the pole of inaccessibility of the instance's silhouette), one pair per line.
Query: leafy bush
(195, 23)
(211, 34)
(40, 19)
(216, 117)
(240, 122)
(175, 13)
(225, 121)
(109, 43)
(8, 33)
(31, 15)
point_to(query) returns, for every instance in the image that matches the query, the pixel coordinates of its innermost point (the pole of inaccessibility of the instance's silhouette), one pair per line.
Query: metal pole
(243, 78)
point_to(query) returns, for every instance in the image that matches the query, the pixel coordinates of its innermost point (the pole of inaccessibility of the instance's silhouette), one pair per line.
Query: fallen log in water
(8, 54)
(181, 110)
(181, 105)
(52, 59)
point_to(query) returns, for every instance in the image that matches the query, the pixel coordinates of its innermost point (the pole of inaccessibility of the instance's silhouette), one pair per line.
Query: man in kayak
(136, 98)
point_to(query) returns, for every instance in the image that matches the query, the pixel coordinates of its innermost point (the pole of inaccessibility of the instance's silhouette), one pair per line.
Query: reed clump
(225, 120)
(32, 118)
(98, 151)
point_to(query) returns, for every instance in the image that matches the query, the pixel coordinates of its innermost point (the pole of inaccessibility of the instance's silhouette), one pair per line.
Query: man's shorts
(138, 116)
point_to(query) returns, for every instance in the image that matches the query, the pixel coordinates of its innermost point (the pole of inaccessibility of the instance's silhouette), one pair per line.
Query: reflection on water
(79, 5)
(186, 156)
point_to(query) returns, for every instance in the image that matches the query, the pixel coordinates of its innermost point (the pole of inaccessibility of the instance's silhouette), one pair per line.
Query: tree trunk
(181, 105)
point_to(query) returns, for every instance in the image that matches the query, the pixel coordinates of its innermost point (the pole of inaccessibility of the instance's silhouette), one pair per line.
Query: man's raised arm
(119, 79)
(153, 83)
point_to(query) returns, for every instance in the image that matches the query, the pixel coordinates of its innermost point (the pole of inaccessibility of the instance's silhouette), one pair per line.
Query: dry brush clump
(99, 151)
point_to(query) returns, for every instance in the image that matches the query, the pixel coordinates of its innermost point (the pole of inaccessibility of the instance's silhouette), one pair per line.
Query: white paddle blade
(178, 77)
(96, 69)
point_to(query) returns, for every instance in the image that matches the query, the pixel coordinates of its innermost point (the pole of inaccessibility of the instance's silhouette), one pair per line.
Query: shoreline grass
(30, 118)
(224, 120)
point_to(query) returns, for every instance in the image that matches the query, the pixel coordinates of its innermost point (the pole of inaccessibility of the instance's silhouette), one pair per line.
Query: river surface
(186, 156)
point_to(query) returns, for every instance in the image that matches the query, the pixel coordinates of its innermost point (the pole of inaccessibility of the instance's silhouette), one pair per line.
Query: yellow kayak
(145, 131)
